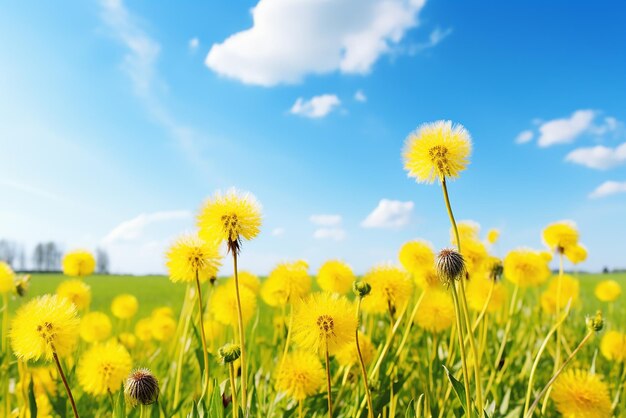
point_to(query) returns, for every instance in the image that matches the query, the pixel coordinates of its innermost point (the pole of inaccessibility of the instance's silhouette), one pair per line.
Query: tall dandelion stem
(368, 395)
(459, 325)
(202, 334)
(67, 386)
(328, 382)
(242, 336)
(233, 389)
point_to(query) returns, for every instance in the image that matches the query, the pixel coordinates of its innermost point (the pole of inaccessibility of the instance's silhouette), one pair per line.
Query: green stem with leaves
(205, 351)
(368, 395)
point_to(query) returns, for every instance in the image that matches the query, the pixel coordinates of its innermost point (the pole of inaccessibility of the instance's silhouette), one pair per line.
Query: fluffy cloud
(337, 234)
(598, 157)
(290, 39)
(194, 43)
(565, 130)
(608, 188)
(326, 220)
(434, 39)
(389, 214)
(316, 107)
(359, 96)
(133, 229)
(524, 137)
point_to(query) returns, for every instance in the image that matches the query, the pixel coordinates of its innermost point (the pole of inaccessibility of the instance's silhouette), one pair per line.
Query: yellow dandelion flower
(324, 320)
(287, 282)
(103, 368)
(224, 304)
(437, 150)
(348, 354)
(189, 256)
(474, 254)
(579, 394)
(613, 346)
(163, 327)
(76, 291)
(6, 278)
(335, 276)
(428, 278)
(477, 293)
(128, 340)
(232, 217)
(300, 375)
(95, 326)
(492, 236)
(526, 267)
(247, 279)
(143, 329)
(213, 330)
(417, 256)
(436, 312)
(79, 263)
(608, 290)
(468, 230)
(44, 325)
(163, 310)
(576, 253)
(124, 306)
(560, 235)
(570, 289)
(391, 289)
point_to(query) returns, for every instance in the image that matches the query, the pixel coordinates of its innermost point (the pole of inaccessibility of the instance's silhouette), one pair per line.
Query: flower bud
(596, 322)
(229, 352)
(361, 289)
(141, 387)
(450, 266)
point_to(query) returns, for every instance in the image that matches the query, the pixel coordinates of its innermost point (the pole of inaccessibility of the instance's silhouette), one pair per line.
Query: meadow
(459, 331)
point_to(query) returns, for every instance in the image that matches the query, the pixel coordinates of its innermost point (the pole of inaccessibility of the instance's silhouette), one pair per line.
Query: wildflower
(162, 327)
(22, 284)
(249, 280)
(229, 353)
(189, 256)
(427, 278)
(608, 290)
(436, 311)
(570, 289)
(579, 394)
(468, 230)
(224, 304)
(213, 329)
(287, 282)
(437, 150)
(560, 235)
(361, 288)
(76, 291)
(335, 276)
(141, 387)
(450, 266)
(127, 339)
(103, 368)
(143, 329)
(492, 236)
(348, 354)
(526, 267)
(613, 346)
(391, 289)
(324, 321)
(45, 325)
(124, 306)
(78, 263)
(474, 254)
(6, 278)
(230, 217)
(416, 256)
(94, 327)
(576, 253)
(595, 323)
(478, 290)
(300, 375)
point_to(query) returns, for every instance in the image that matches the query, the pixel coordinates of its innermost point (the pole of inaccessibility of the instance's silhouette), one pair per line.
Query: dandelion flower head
(189, 256)
(103, 368)
(223, 304)
(526, 268)
(76, 291)
(561, 235)
(335, 276)
(6, 278)
(95, 326)
(580, 394)
(124, 306)
(287, 282)
(78, 263)
(300, 375)
(391, 289)
(608, 290)
(436, 311)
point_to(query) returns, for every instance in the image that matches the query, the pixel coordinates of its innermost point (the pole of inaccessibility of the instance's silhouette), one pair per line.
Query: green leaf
(32, 404)
(410, 410)
(419, 406)
(120, 405)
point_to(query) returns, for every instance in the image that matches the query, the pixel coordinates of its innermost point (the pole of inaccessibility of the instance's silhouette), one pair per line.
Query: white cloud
(326, 220)
(278, 232)
(565, 130)
(598, 157)
(389, 214)
(608, 188)
(316, 107)
(30, 189)
(524, 137)
(359, 96)
(133, 229)
(194, 43)
(337, 234)
(434, 39)
(290, 39)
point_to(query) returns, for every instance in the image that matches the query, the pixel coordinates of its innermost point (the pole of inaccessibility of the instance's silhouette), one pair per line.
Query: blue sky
(120, 118)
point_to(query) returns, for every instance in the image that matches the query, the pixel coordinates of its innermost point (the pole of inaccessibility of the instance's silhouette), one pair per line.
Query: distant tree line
(46, 256)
